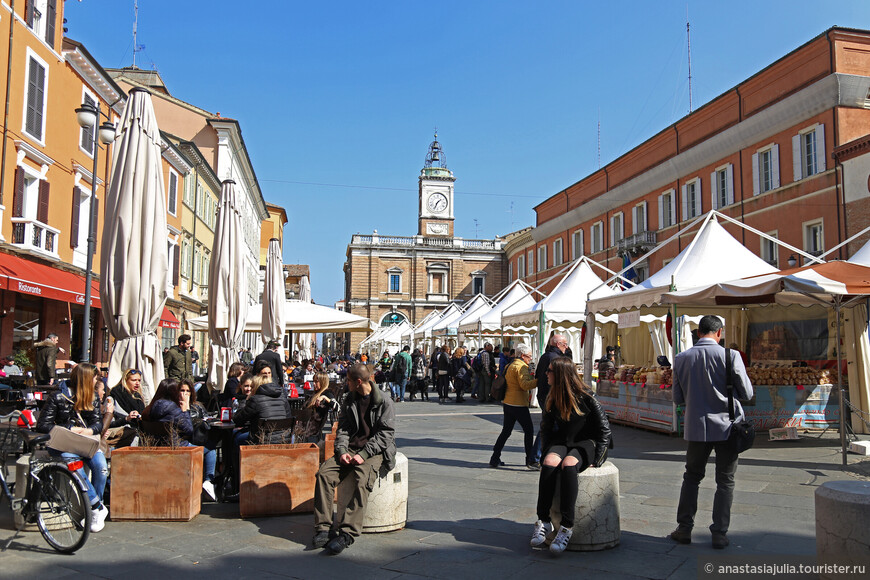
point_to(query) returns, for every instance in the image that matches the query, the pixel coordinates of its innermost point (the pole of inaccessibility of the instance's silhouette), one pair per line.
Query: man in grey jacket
(700, 382)
(364, 444)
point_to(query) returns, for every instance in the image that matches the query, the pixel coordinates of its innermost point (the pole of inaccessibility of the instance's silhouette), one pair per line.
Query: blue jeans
(399, 389)
(209, 460)
(99, 473)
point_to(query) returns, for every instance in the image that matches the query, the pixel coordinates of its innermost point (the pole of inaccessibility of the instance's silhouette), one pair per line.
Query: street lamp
(792, 261)
(88, 115)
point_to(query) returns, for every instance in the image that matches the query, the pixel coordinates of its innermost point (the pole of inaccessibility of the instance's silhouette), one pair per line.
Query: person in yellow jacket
(519, 381)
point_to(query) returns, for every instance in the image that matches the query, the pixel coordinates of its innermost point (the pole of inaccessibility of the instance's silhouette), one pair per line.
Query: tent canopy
(425, 330)
(712, 256)
(300, 317)
(516, 298)
(477, 304)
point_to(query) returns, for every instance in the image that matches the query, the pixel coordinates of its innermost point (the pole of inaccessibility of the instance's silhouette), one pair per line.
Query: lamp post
(88, 116)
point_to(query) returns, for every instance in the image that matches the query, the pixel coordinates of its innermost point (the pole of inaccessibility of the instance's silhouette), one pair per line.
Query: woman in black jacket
(266, 401)
(79, 411)
(573, 424)
(460, 372)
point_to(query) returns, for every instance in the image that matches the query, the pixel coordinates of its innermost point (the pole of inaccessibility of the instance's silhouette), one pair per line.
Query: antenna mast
(135, 27)
(599, 137)
(689, 43)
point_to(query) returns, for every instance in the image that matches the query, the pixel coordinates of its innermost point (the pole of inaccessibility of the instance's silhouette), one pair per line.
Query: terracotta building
(394, 278)
(761, 153)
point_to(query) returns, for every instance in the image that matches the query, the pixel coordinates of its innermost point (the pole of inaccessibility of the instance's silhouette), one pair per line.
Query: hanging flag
(629, 273)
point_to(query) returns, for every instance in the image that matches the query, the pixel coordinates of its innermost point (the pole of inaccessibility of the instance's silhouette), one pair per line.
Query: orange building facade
(760, 153)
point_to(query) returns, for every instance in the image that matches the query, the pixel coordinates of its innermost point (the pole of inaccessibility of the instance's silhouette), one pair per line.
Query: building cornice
(96, 77)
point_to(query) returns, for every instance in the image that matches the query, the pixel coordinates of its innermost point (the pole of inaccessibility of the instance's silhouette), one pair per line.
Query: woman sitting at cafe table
(78, 410)
(171, 404)
(127, 397)
(266, 401)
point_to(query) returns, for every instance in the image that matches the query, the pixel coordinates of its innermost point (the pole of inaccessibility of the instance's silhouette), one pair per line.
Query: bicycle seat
(34, 438)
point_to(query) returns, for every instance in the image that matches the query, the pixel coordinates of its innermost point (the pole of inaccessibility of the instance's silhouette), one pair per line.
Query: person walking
(271, 356)
(700, 382)
(519, 381)
(177, 361)
(576, 434)
(418, 376)
(486, 373)
(45, 369)
(460, 372)
(443, 366)
(194, 360)
(401, 373)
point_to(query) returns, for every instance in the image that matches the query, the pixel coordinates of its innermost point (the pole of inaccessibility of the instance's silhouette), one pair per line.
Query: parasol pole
(837, 300)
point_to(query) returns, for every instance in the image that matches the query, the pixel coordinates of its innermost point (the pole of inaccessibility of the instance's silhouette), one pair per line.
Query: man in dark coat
(271, 356)
(46, 359)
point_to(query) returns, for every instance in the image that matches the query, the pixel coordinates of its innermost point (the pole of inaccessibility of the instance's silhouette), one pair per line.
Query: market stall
(447, 328)
(515, 298)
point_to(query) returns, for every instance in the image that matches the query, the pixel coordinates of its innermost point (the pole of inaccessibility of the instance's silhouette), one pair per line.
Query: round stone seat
(596, 512)
(842, 513)
(387, 506)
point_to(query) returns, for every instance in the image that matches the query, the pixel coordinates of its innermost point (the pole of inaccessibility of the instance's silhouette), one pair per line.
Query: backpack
(477, 363)
(399, 370)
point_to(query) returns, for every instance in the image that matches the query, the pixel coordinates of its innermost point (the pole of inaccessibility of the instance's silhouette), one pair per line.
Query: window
(530, 262)
(597, 237)
(808, 152)
(477, 285)
(34, 102)
(510, 271)
(692, 199)
(197, 257)
(437, 283)
(395, 280)
(41, 16)
(639, 218)
(722, 186)
(86, 141)
(557, 252)
(186, 257)
(542, 258)
(30, 204)
(172, 193)
(616, 230)
(667, 210)
(770, 250)
(167, 337)
(521, 267)
(577, 244)
(189, 189)
(765, 169)
(814, 237)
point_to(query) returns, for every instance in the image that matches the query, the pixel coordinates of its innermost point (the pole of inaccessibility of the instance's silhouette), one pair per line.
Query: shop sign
(629, 319)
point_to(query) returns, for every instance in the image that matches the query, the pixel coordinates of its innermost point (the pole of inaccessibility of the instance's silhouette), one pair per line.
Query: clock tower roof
(435, 166)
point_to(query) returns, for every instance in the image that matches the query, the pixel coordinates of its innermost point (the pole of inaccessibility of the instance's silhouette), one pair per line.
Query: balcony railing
(34, 235)
(638, 241)
(412, 241)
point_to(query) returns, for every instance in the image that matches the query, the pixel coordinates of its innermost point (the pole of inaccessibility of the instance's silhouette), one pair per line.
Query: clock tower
(436, 194)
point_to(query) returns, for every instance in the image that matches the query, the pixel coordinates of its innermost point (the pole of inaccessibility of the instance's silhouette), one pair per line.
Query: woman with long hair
(79, 411)
(418, 375)
(266, 401)
(318, 407)
(575, 434)
(231, 387)
(171, 404)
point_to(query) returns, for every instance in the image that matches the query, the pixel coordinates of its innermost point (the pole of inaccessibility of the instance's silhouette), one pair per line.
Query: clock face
(437, 202)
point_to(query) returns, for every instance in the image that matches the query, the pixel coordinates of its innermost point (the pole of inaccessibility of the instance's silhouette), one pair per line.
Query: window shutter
(755, 185)
(729, 183)
(18, 195)
(673, 207)
(685, 202)
(35, 99)
(821, 157)
(28, 12)
(661, 212)
(51, 17)
(774, 165)
(96, 222)
(796, 165)
(714, 191)
(698, 205)
(644, 220)
(175, 263)
(42, 203)
(74, 224)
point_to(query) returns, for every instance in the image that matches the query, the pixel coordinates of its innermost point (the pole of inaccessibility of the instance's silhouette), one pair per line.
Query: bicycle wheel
(63, 510)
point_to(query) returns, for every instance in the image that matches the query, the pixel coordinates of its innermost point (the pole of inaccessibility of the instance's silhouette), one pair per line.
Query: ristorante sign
(54, 292)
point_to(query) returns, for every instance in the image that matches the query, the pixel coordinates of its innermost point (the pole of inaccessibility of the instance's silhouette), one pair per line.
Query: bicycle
(55, 498)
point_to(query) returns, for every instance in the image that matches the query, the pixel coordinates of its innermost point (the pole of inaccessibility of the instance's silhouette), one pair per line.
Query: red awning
(20, 275)
(168, 320)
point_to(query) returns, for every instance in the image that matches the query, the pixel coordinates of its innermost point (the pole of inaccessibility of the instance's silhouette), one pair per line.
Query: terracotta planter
(277, 479)
(156, 483)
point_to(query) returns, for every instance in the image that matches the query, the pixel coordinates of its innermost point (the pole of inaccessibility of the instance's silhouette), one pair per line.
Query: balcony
(33, 235)
(416, 241)
(639, 242)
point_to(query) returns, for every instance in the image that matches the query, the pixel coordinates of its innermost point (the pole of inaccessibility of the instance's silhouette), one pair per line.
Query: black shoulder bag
(742, 434)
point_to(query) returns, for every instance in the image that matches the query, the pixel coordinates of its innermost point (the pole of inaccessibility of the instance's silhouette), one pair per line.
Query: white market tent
(515, 298)
(425, 330)
(299, 317)
(447, 325)
(408, 336)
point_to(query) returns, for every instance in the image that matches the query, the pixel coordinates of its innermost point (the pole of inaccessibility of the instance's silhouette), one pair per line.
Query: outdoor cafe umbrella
(304, 339)
(227, 282)
(273, 294)
(134, 261)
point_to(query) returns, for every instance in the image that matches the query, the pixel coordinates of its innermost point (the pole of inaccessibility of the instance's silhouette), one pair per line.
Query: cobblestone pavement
(467, 520)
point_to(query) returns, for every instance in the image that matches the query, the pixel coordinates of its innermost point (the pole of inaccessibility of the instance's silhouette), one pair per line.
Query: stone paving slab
(467, 520)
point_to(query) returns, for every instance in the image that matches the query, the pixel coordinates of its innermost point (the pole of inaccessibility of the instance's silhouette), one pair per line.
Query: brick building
(394, 278)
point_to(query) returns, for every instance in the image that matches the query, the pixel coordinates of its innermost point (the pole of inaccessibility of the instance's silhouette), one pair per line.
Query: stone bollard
(596, 514)
(22, 467)
(387, 506)
(842, 513)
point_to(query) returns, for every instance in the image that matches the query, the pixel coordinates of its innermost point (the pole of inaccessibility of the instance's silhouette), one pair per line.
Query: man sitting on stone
(365, 443)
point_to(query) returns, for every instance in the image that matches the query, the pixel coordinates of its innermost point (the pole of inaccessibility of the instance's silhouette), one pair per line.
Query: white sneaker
(542, 530)
(208, 488)
(560, 542)
(98, 519)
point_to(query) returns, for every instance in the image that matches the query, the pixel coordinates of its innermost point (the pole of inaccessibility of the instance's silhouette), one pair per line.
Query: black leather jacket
(60, 410)
(591, 426)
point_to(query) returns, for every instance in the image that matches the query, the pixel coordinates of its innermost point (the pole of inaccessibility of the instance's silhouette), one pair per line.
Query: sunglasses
(131, 373)
(185, 390)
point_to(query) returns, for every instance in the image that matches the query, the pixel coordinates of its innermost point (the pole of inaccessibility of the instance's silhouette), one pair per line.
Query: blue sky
(338, 100)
